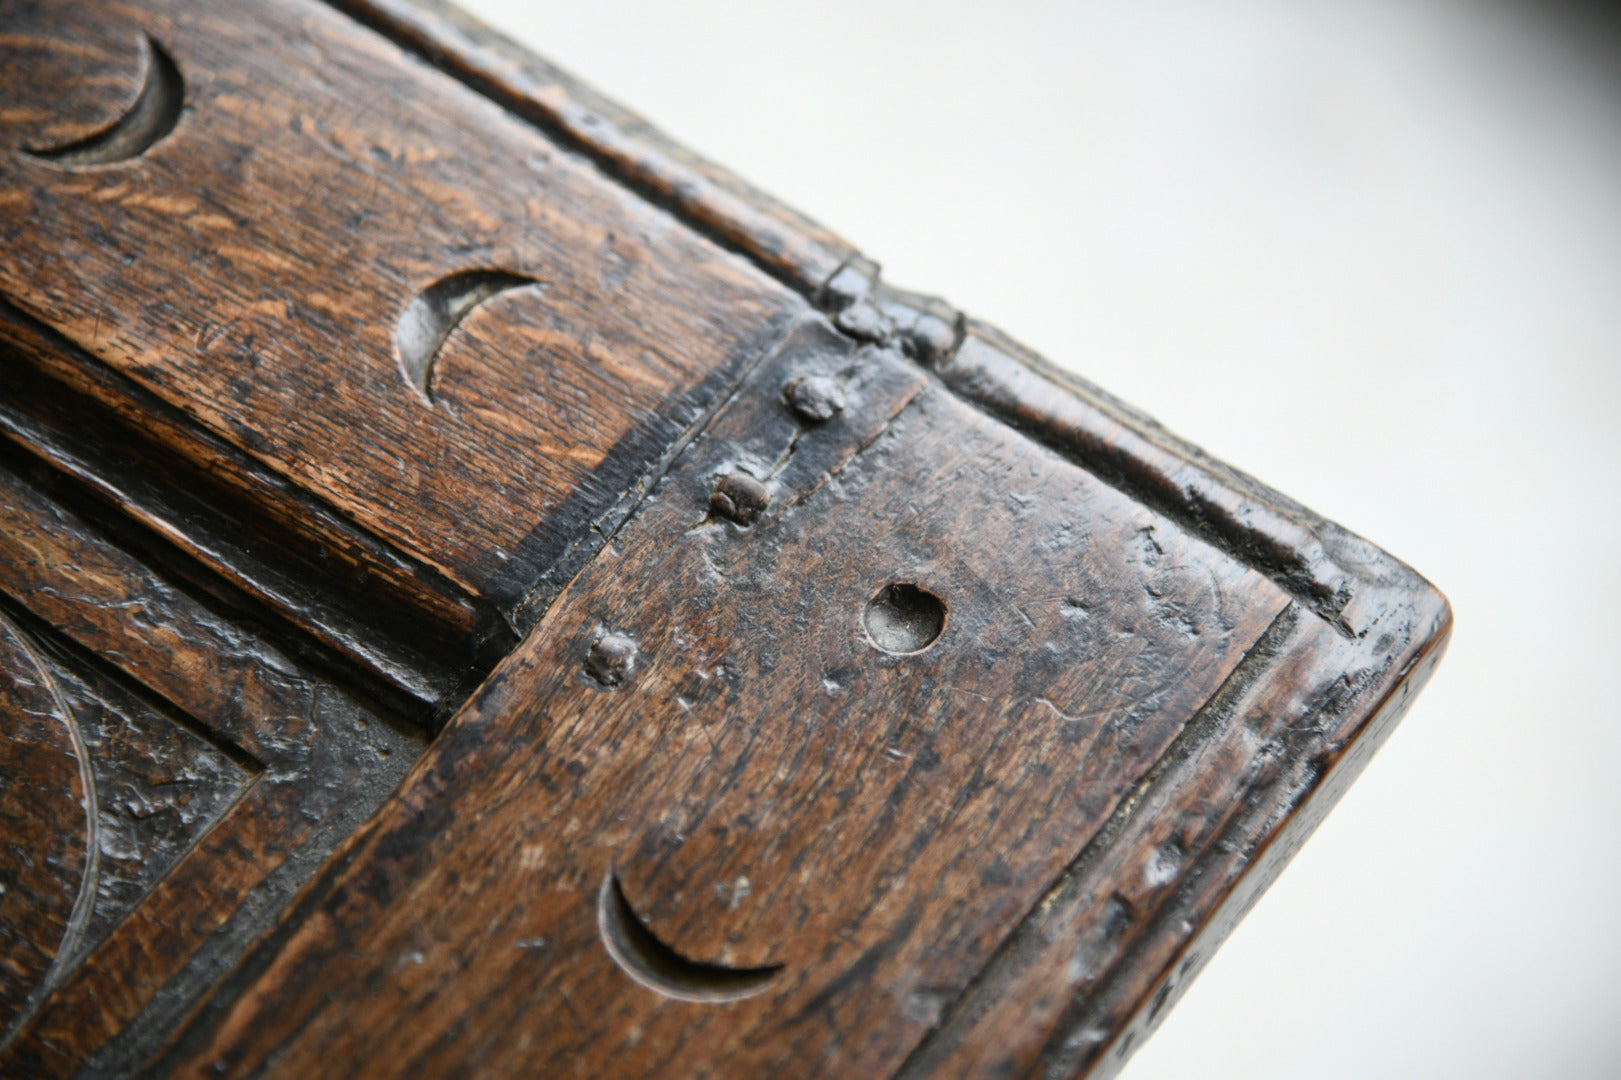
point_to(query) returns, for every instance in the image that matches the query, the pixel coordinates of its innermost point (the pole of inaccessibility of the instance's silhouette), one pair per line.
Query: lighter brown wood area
(253, 264)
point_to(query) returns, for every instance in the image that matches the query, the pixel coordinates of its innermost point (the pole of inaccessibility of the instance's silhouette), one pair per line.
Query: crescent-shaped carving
(23, 657)
(429, 318)
(153, 115)
(658, 967)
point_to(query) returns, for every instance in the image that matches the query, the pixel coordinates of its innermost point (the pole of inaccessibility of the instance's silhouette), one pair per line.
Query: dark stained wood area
(485, 592)
(290, 763)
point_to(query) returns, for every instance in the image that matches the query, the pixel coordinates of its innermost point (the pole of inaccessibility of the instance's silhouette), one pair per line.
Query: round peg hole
(904, 618)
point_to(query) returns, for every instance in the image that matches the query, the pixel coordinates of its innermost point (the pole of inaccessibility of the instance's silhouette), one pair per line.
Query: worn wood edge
(1299, 550)
(1374, 718)
(60, 359)
(1268, 821)
(713, 201)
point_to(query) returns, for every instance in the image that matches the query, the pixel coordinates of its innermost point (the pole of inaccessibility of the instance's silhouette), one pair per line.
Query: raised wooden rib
(780, 240)
(419, 639)
(1118, 442)
(995, 834)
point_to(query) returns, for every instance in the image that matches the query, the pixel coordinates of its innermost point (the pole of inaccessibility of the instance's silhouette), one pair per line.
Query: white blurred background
(1368, 251)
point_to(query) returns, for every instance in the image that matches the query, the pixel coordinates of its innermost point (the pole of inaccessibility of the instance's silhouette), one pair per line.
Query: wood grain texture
(769, 786)
(251, 268)
(188, 493)
(157, 786)
(1121, 934)
(319, 759)
(887, 702)
(777, 238)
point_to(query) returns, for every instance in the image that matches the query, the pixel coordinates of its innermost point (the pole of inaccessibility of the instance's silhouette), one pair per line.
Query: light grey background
(1368, 251)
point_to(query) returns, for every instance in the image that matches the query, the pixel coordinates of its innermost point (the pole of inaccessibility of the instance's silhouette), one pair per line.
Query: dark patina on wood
(485, 592)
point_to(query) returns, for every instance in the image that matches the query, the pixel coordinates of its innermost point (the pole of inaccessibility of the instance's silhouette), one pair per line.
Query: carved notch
(429, 318)
(660, 968)
(150, 117)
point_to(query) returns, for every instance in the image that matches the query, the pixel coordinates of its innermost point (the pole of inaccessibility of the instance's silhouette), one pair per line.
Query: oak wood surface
(485, 592)
(252, 266)
(214, 507)
(43, 810)
(772, 787)
(316, 761)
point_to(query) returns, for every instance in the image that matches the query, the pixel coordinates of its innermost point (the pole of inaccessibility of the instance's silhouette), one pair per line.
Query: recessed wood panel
(104, 793)
(220, 771)
(44, 819)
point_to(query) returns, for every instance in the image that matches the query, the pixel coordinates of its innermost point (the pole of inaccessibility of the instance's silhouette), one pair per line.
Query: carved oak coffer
(484, 592)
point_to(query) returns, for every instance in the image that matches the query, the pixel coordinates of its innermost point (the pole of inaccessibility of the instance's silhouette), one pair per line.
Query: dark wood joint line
(1299, 551)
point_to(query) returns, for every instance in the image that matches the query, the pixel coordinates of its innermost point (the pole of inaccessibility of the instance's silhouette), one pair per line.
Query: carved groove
(153, 115)
(89, 879)
(122, 458)
(777, 239)
(660, 968)
(428, 320)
